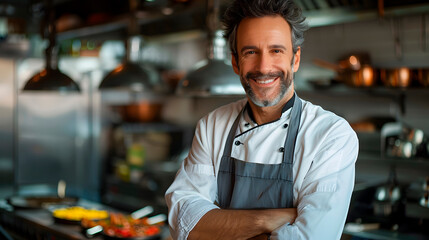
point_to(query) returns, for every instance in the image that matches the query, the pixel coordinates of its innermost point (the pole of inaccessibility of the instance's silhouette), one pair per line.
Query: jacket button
(285, 126)
(282, 149)
(237, 143)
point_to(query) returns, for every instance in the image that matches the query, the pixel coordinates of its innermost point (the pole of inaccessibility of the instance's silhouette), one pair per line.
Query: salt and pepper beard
(285, 83)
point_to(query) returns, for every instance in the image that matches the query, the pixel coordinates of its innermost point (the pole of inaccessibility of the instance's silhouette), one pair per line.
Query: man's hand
(241, 224)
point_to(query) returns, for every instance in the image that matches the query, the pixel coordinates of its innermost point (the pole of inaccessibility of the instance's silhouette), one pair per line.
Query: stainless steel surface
(325, 12)
(58, 133)
(7, 103)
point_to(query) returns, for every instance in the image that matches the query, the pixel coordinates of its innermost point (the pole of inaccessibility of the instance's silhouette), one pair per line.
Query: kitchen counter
(25, 224)
(37, 224)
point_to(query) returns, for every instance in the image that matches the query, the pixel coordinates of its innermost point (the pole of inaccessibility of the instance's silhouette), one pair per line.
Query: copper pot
(364, 77)
(398, 77)
(422, 76)
(354, 70)
(143, 111)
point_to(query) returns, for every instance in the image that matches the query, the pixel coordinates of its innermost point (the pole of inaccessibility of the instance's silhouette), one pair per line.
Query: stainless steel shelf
(375, 158)
(383, 234)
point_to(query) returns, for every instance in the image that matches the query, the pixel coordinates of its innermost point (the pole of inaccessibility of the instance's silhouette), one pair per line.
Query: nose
(264, 63)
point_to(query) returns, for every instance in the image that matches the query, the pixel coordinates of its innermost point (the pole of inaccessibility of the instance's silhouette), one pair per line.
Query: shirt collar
(286, 107)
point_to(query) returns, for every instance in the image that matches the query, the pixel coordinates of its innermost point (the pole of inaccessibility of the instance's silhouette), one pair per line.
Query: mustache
(257, 75)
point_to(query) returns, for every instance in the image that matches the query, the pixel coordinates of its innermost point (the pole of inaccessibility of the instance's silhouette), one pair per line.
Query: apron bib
(245, 185)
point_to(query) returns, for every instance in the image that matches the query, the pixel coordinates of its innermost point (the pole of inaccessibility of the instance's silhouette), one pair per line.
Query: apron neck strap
(295, 119)
(231, 135)
(289, 145)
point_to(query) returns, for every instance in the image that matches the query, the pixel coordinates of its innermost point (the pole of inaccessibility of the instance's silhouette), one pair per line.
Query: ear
(235, 64)
(297, 60)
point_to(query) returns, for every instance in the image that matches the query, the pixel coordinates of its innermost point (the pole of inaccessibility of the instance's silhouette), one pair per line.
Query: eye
(277, 51)
(250, 52)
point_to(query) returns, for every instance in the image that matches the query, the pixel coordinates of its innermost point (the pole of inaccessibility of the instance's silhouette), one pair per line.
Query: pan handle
(156, 219)
(92, 232)
(142, 212)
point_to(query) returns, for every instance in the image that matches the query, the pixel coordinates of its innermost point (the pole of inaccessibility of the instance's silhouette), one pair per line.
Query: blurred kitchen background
(135, 77)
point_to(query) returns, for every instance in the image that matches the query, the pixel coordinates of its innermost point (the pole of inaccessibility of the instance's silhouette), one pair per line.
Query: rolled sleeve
(324, 198)
(189, 199)
(193, 192)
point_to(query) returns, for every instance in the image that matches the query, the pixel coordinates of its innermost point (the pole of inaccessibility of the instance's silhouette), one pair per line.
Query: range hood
(215, 75)
(329, 12)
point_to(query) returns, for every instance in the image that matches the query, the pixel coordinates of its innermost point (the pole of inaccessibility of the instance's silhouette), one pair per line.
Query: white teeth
(265, 81)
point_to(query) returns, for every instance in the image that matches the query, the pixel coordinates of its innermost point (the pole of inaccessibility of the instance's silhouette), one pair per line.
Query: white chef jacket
(324, 169)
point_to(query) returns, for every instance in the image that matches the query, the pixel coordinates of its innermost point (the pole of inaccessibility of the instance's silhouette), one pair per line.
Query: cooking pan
(37, 202)
(121, 227)
(135, 226)
(142, 111)
(353, 71)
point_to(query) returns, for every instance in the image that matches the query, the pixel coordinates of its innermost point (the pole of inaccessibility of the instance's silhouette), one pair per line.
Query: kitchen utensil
(399, 140)
(422, 76)
(398, 77)
(353, 70)
(61, 189)
(424, 200)
(142, 212)
(363, 77)
(142, 111)
(36, 202)
(388, 197)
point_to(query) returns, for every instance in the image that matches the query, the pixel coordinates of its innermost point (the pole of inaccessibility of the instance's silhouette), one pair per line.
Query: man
(271, 166)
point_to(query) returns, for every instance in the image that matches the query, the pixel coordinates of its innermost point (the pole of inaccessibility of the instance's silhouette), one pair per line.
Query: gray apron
(245, 185)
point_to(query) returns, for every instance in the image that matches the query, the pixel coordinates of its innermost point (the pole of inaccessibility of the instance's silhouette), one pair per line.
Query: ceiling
(167, 16)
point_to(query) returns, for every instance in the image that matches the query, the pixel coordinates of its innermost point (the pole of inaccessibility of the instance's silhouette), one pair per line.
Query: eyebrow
(274, 46)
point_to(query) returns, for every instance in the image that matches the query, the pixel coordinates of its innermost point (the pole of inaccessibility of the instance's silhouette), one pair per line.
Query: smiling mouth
(265, 81)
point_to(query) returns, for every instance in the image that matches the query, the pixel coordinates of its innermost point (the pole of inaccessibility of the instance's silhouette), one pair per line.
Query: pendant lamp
(51, 78)
(131, 75)
(215, 75)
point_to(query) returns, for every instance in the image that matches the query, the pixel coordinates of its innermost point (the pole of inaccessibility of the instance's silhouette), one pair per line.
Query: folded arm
(324, 195)
(240, 224)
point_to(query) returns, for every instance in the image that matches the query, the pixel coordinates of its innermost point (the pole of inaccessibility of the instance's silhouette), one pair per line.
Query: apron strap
(295, 119)
(229, 141)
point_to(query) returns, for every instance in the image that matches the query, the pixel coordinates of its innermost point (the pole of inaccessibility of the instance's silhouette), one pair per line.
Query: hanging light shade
(51, 78)
(131, 75)
(127, 75)
(210, 77)
(215, 75)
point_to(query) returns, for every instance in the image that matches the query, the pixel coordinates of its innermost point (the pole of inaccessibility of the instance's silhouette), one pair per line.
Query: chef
(271, 166)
